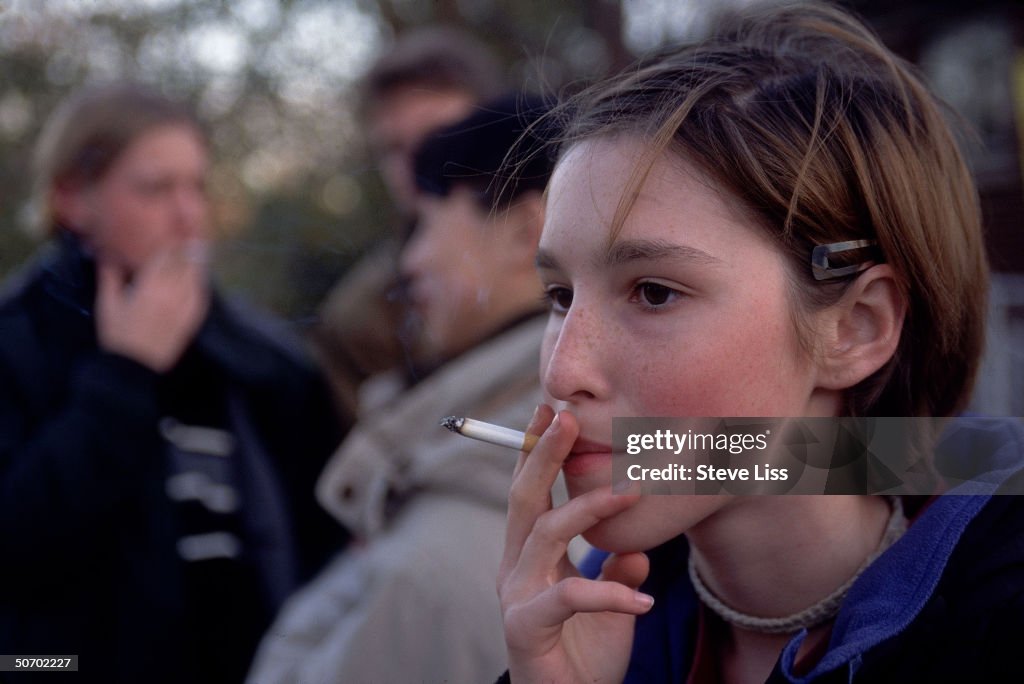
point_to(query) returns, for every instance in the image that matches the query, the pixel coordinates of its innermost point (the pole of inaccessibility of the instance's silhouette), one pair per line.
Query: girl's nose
(573, 354)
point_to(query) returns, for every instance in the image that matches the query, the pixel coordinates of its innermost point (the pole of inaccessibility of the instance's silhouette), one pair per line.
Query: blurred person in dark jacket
(158, 444)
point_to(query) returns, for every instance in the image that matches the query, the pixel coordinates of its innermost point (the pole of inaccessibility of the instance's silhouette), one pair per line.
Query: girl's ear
(862, 330)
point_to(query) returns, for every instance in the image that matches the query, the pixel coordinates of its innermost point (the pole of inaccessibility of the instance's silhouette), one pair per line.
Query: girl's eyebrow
(626, 251)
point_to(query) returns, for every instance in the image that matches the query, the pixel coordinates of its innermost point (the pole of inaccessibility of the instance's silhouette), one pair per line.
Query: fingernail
(643, 600)
(556, 424)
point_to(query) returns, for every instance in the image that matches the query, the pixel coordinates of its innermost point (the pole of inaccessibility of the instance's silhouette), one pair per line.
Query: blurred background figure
(296, 203)
(158, 444)
(415, 599)
(430, 77)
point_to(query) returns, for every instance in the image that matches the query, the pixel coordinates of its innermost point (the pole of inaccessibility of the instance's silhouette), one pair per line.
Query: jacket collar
(69, 274)
(400, 449)
(891, 592)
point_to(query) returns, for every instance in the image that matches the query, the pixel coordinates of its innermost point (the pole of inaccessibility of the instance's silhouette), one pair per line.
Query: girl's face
(686, 314)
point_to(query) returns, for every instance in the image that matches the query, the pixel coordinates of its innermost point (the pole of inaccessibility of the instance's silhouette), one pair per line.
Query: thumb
(630, 569)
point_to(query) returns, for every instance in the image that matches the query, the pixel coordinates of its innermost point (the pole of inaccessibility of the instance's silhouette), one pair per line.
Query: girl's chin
(576, 487)
(620, 534)
(579, 483)
(652, 521)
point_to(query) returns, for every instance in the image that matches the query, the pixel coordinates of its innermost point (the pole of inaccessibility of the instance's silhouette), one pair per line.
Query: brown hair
(800, 113)
(89, 130)
(435, 58)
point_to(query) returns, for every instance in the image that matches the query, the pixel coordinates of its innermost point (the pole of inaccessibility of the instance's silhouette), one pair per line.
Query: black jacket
(106, 544)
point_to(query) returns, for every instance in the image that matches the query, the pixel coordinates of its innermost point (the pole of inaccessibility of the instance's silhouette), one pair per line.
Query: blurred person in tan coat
(413, 599)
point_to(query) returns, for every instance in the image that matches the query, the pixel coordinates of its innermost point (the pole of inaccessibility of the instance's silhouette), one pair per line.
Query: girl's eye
(655, 295)
(560, 298)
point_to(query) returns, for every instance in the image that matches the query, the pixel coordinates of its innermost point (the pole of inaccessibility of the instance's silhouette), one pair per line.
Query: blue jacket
(943, 604)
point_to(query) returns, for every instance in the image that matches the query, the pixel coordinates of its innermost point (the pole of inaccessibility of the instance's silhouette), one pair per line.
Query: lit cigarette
(488, 432)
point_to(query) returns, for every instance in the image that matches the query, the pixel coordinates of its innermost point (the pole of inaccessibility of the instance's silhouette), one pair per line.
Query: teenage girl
(688, 198)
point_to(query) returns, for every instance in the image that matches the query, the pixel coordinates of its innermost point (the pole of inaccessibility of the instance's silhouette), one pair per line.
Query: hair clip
(820, 265)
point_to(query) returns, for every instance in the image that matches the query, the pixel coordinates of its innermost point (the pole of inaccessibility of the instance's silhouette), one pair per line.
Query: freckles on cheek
(683, 391)
(750, 372)
(729, 374)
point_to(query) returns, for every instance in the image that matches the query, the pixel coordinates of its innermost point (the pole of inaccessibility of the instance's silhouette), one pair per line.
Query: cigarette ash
(452, 423)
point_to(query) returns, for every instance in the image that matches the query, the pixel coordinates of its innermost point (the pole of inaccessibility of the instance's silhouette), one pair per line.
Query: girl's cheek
(678, 384)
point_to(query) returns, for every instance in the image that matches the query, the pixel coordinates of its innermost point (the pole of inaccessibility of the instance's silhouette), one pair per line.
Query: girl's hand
(153, 319)
(560, 627)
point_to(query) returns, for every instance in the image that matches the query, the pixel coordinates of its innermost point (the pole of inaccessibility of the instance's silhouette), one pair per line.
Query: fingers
(630, 569)
(554, 529)
(153, 319)
(530, 494)
(542, 417)
(542, 465)
(572, 595)
(539, 588)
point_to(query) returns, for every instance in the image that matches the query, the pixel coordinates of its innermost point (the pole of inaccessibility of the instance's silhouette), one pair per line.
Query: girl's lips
(585, 446)
(587, 457)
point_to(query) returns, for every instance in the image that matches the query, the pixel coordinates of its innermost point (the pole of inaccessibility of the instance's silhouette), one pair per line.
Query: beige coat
(415, 601)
